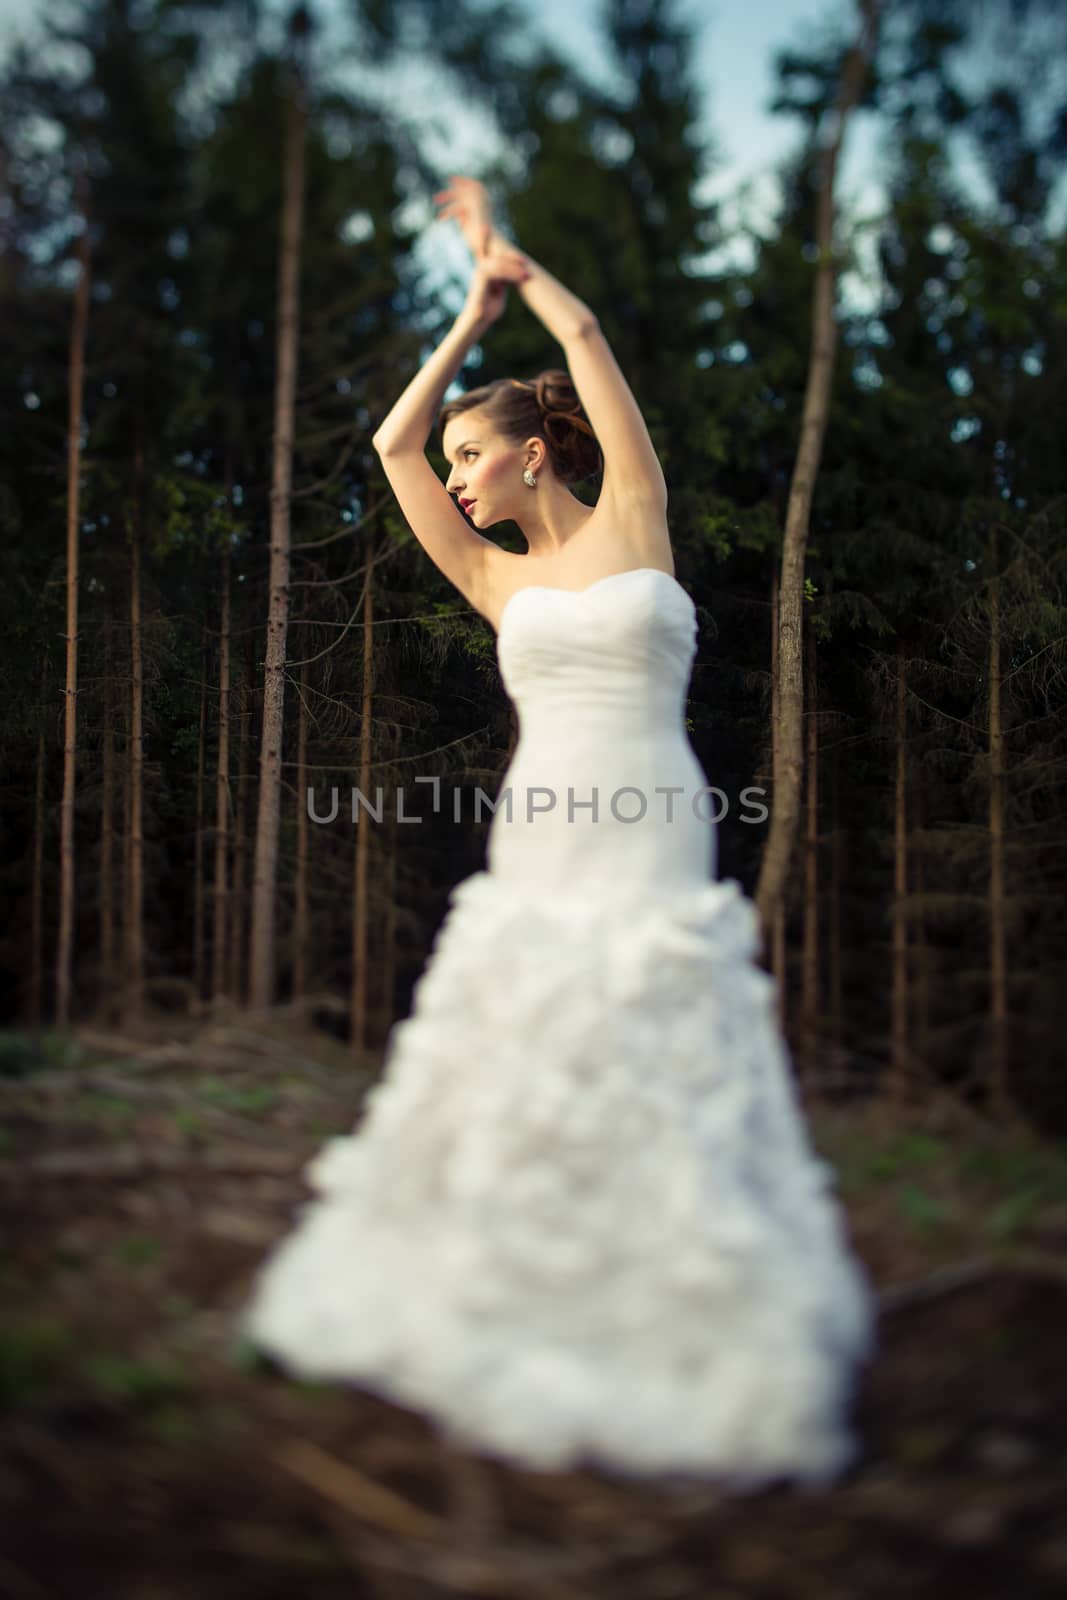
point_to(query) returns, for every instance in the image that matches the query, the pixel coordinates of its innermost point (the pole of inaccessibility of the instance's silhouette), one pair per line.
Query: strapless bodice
(624, 643)
(603, 776)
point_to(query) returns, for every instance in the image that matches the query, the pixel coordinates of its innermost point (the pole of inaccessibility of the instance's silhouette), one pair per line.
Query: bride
(580, 1220)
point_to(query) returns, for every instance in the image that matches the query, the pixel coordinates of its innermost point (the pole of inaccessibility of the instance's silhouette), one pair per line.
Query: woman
(581, 1220)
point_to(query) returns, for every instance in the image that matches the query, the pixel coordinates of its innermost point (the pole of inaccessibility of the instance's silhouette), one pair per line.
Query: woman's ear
(536, 454)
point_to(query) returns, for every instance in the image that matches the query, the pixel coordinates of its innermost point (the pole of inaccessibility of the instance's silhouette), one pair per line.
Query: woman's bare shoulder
(612, 540)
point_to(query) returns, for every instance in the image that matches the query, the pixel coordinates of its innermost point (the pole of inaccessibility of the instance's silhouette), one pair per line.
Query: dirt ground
(147, 1456)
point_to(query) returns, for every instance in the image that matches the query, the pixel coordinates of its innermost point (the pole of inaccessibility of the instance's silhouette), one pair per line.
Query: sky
(734, 43)
(732, 59)
(732, 68)
(732, 71)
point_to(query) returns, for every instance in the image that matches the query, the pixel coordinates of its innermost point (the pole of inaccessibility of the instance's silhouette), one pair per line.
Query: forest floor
(147, 1455)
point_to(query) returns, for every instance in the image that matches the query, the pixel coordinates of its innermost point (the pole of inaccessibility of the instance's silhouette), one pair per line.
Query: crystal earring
(528, 478)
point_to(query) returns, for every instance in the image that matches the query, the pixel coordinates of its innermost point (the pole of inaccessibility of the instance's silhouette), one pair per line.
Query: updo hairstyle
(547, 407)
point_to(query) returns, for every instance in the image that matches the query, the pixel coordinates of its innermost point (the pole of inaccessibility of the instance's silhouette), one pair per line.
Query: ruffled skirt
(580, 1221)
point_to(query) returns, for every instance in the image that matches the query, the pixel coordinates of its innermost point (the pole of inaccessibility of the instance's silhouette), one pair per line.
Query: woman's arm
(428, 509)
(462, 554)
(631, 466)
(407, 426)
(563, 314)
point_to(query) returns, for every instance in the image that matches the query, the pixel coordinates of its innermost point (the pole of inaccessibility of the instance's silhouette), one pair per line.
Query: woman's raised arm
(462, 554)
(631, 466)
(407, 426)
(467, 202)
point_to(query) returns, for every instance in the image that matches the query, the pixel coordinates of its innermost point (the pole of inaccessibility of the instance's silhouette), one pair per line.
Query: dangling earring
(528, 478)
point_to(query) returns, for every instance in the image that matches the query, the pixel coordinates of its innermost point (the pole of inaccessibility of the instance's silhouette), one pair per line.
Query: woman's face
(485, 470)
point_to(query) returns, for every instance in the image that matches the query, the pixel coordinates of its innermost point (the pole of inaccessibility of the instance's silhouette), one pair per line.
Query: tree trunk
(811, 981)
(835, 977)
(301, 921)
(900, 1085)
(127, 849)
(198, 831)
(360, 909)
(109, 976)
(920, 944)
(261, 964)
(219, 942)
(389, 932)
(36, 995)
(998, 954)
(246, 740)
(778, 927)
(75, 398)
(134, 896)
(785, 809)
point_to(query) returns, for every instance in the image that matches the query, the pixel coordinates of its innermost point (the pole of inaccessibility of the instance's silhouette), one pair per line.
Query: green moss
(140, 1380)
(216, 1092)
(29, 1357)
(922, 1211)
(138, 1250)
(1011, 1216)
(907, 1153)
(177, 1305)
(921, 1444)
(243, 1355)
(173, 1424)
(192, 1125)
(114, 1112)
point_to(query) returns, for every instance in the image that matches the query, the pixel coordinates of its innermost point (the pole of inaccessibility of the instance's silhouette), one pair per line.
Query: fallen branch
(964, 1274)
(123, 1045)
(102, 1082)
(283, 1052)
(135, 1162)
(509, 1571)
(354, 1492)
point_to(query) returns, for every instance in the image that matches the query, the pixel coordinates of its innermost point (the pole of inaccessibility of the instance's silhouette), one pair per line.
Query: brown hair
(547, 407)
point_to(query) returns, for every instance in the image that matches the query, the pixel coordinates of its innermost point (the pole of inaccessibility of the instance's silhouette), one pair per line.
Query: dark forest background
(933, 862)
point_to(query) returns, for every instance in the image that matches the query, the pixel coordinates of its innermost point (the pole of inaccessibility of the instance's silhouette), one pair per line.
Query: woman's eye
(467, 453)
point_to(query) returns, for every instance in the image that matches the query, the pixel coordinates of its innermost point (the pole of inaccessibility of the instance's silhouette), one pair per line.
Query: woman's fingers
(467, 192)
(512, 267)
(466, 219)
(456, 194)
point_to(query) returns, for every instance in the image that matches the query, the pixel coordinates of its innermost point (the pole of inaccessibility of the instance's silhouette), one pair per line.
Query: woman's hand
(467, 201)
(488, 291)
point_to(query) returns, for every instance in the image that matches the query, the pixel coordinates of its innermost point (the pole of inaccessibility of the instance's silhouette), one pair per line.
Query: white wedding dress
(581, 1223)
